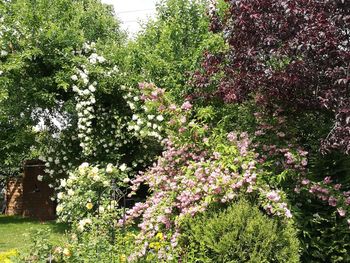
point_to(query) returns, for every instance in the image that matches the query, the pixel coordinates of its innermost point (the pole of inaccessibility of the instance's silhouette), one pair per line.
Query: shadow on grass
(17, 220)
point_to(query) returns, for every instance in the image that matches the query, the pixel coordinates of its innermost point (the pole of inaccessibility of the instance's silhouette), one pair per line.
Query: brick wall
(14, 196)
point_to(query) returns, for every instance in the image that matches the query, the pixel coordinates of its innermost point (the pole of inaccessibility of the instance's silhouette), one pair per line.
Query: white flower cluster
(111, 135)
(85, 108)
(59, 158)
(143, 123)
(88, 111)
(87, 191)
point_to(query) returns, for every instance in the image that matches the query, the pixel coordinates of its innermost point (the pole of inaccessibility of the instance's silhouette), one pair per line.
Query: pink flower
(186, 106)
(347, 201)
(232, 136)
(332, 201)
(305, 181)
(327, 180)
(182, 129)
(304, 162)
(259, 132)
(341, 212)
(273, 196)
(287, 213)
(172, 107)
(281, 134)
(337, 186)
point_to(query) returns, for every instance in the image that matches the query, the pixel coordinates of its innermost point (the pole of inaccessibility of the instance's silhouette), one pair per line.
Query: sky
(130, 12)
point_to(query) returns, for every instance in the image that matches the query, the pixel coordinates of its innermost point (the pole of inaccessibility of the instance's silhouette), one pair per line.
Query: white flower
(74, 77)
(136, 128)
(70, 192)
(101, 59)
(132, 106)
(50, 159)
(1, 72)
(94, 171)
(59, 208)
(109, 168)
(126, 180)
(86, 92)
(136, 98)
(40, 177)
(135, 117)
(3, 53)
(69, 181)
(60, 195)
(160, 118)
(63, 182)
(123, 167)
(96, 178)
(84, 165)
(72, 177)
(92, 88)
(101, 209)
(57, 161)
(150, 117)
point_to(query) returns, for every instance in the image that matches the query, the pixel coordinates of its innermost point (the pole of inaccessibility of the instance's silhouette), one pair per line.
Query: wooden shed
(26, 196)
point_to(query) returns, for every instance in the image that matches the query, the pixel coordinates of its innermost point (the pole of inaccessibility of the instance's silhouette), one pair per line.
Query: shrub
(240, 233)
(88, 192)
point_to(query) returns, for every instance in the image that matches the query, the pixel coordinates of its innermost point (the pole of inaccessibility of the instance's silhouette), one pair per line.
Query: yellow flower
(122, 258)
(155, 245)
(66, 252)
(89, 206)
(5, 256)
(160, 236)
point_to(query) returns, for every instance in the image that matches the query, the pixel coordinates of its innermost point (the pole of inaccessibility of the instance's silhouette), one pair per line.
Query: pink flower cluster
(330, 193)
(187, 179)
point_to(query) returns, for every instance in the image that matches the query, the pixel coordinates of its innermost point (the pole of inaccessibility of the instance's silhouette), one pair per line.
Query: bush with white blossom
(91, 191)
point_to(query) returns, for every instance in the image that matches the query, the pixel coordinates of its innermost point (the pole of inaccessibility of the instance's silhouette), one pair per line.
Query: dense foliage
(170, 47)
(289, 56)
(239, 233)
(40, 45)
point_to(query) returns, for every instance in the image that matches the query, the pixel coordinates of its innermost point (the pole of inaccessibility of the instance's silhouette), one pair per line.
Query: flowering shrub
(90, 192)
(199, 166)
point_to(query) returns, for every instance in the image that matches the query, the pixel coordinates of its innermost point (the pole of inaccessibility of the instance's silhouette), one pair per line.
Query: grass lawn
(16, 232)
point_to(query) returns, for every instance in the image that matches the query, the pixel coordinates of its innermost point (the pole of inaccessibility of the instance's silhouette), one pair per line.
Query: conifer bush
(240, 233)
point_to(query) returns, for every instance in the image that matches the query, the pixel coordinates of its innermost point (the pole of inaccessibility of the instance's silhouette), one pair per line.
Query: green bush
(240, 233)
